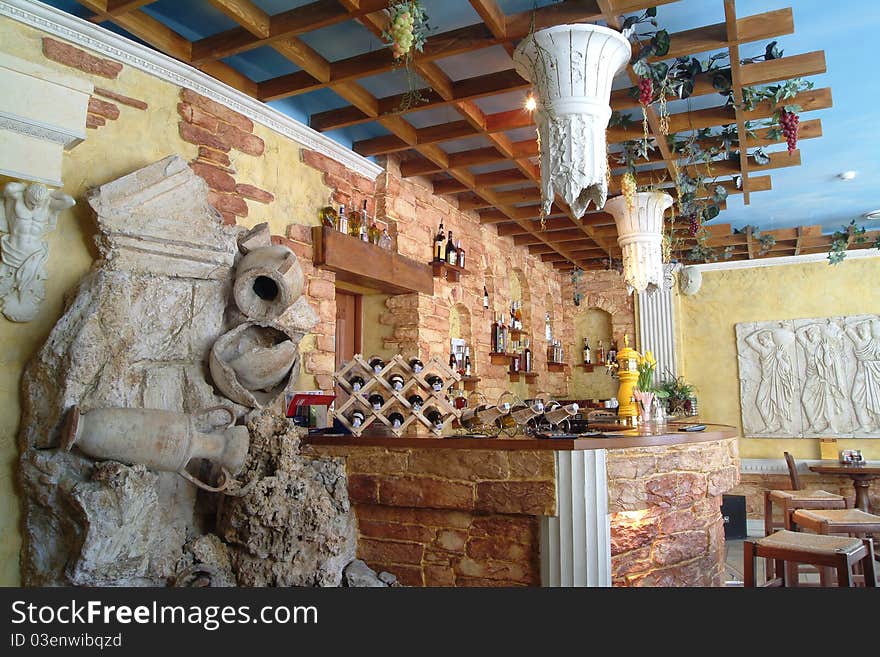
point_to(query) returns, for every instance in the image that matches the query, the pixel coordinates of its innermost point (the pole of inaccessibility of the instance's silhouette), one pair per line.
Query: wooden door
(348, 328)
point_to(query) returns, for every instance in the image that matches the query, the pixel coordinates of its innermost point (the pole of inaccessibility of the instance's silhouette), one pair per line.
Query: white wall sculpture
(28, 212)
(810, 377)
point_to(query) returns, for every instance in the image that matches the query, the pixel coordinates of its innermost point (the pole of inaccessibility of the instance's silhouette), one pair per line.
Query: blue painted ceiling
(804, 195)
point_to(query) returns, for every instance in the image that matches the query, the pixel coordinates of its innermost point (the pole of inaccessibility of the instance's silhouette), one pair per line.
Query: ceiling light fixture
(531, 103)
(847, 175)
(572, 109)
(874, 214)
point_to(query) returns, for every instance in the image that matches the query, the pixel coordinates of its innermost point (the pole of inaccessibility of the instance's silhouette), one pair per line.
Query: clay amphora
(160, 440)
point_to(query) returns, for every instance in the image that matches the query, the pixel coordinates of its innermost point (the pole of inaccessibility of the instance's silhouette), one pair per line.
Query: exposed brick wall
(217, 130)
(665, 504)
(450, 517)
(69, 55)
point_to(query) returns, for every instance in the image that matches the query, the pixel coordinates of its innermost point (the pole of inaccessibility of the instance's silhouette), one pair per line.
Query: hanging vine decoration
(406, 34)
(577, 276)
(843, 238)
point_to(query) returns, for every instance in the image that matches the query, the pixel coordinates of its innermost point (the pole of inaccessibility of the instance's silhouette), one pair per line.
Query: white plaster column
(656, 327)
(576, 543)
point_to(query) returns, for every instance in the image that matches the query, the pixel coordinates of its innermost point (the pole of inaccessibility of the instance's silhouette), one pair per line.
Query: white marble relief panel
(810, 377)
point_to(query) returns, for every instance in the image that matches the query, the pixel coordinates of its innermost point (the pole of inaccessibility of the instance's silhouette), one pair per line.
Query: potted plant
(646, 393)
(679, 396)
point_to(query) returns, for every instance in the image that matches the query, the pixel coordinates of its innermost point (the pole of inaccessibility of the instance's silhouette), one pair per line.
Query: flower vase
(645, 402)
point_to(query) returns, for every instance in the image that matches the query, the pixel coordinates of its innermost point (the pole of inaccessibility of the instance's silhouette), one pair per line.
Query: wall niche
(595, 325)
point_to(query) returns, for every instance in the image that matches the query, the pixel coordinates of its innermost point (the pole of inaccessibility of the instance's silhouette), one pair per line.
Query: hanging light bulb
(572, 109)
(531, 103)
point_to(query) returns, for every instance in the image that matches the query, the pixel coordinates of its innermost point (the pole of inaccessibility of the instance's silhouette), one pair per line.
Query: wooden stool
(852, 522)
(786, 546)
(796, 498)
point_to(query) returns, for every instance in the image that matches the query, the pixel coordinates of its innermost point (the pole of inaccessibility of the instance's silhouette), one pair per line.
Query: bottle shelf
(590, 367)
(470, 382)
(556, 367)
(395, 400)
(528, 376)
(499, 358)
(516, 334)
(443, 269)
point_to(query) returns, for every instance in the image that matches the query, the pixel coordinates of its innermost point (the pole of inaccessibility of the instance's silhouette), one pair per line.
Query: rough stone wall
(665, 504)
(754, 485)
(450, 517)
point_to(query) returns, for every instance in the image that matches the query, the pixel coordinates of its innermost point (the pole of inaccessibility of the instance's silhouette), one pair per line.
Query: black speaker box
(733, 511)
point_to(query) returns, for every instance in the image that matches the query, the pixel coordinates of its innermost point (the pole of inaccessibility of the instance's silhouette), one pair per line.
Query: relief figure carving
(774, 395)
(823, 395)
(865, 336)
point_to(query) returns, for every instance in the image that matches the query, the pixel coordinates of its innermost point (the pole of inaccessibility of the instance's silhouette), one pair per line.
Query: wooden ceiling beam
(571, 235)
(737, 87)
(247, 14)
(291, 23)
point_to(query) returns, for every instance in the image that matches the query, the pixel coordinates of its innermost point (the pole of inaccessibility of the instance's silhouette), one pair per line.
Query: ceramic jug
(160, 440)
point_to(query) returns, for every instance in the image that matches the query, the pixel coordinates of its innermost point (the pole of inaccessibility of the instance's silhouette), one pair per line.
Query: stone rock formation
(136, 334)
(295, 527)
(359, 574)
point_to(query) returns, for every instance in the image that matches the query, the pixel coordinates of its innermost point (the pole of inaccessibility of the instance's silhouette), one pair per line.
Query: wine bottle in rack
(514, 363)
(356, 382)
(376, 401)
(365, 224)
(356, 418)
(522, 414)
(453, 362)
(485, 298)
(377, 364)
(527, 357)
(416, 402)
(435, 382)
(435, 417)
(494, 334)
(416, 365)
(396, 420)
(396, 380)
(467, 361)
(451, 251)
(588, 354)
(460, 253)
(558, 412)
(600, 354)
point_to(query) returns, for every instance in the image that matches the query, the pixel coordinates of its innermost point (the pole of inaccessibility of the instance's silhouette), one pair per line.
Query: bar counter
(636, 508)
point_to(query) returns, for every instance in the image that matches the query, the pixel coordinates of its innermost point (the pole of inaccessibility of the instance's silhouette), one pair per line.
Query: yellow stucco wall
(136, 139)
(708, 341)
(595, 324)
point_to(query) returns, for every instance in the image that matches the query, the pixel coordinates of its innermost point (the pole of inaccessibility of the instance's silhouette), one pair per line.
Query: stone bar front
(635, 509)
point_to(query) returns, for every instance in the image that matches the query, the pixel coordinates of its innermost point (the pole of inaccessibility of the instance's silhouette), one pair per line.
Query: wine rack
(395, 400)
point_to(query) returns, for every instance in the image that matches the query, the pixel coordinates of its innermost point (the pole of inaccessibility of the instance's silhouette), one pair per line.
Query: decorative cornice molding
(98, 39)
(786, 260)
(39, 130)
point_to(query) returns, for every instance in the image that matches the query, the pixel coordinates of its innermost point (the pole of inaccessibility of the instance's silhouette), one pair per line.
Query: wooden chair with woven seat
(850, 522)
(787, 548)
(796, 498)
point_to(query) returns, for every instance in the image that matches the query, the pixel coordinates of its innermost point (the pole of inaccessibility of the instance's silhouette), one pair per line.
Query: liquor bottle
(416, 365)
(522, 414)
(376, 401)
(459, 401)
(504, 333)
(435, 382)
(396, 381)
(467, 361)
(612, 352)
(435, 417)
(494, 334)
(485, 297)
(439, 239)
(328, 216)
(385, 239)
(356, 382)
(588, 358)
(517, 312)
(453, 362)
(354, 223)
(451, 251)
(365, 221)
(514, 363)
(377, 364)
(483, 414)
(600, 354)
(416, 402)
(375, 233)
(342, 220)
(356, 418)
(527, 357)
(396, 420)
(548, 329)
(460, 253)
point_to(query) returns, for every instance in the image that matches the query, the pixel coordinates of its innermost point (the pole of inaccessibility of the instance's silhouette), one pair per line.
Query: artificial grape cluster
(789, 122)
(402, 33)
(693, 225)
(646, 91)
(629, 188)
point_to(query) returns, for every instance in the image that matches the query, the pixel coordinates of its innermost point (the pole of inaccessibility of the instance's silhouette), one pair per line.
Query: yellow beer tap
(628, 373)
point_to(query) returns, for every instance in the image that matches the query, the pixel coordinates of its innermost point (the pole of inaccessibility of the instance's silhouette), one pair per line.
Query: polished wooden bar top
(614, 438)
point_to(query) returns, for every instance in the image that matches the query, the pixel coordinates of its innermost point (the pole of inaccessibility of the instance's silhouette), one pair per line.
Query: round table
(861, 476)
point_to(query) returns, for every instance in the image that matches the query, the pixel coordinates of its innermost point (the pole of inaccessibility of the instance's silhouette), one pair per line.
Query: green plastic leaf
(660, 41)
(720, 194)
(772, 51)
(710, 212)
(651, 12)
